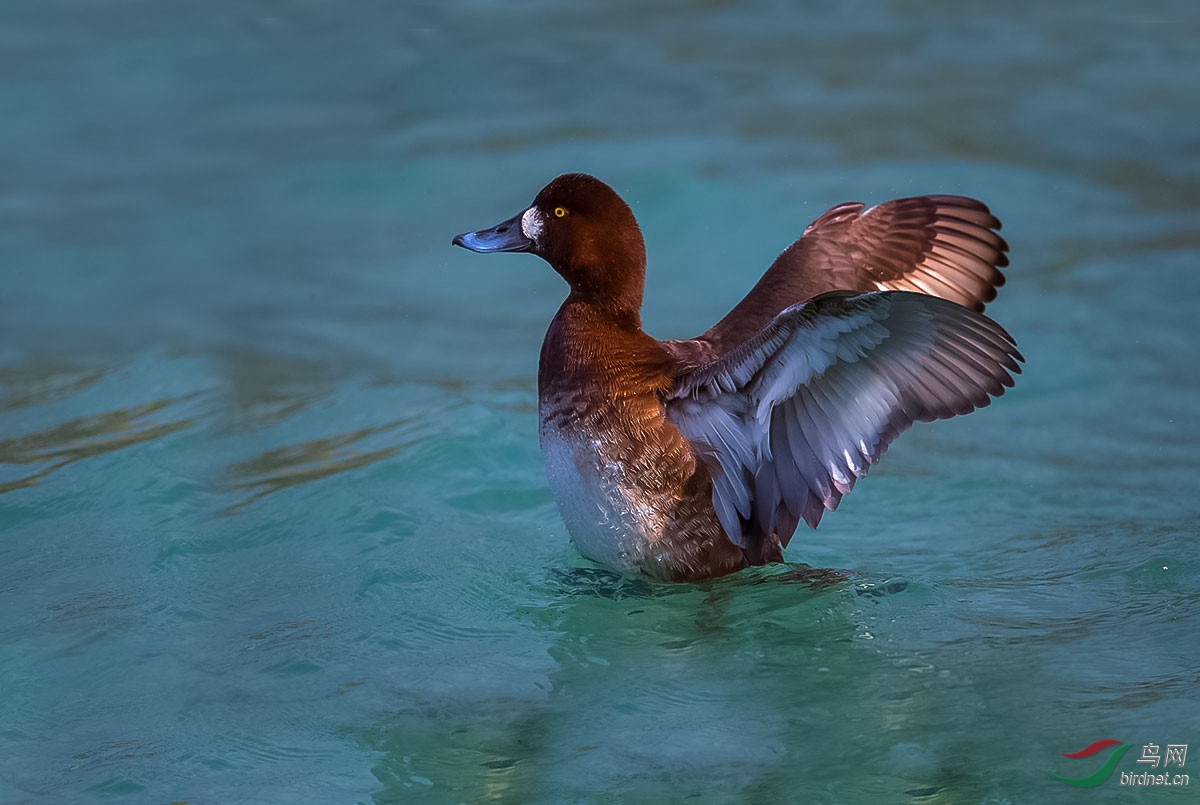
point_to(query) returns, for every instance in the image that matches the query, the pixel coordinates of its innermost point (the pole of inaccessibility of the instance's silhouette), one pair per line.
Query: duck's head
(582, 228)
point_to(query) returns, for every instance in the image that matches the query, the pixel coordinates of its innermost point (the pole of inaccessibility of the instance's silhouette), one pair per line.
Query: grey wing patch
(797, 414)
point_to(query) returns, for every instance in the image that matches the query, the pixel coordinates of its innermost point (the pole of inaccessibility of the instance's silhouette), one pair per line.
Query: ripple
(77, 439)
(292, 465)
(88, 605)
(39, 384)
(287, 633)
(248, 751)
(117, 751)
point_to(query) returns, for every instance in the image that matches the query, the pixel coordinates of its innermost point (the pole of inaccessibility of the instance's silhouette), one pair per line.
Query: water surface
(274, 523)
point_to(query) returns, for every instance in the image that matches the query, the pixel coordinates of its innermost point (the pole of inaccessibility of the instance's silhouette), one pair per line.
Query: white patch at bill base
(531, 224)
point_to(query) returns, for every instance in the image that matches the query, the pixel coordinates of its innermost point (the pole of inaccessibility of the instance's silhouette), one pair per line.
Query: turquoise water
(274, 524)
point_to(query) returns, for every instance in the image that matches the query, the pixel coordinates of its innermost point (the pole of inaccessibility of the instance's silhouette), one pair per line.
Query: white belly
(606, 521)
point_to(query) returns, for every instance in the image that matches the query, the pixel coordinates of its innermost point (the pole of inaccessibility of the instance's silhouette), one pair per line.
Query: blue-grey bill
(503, 237)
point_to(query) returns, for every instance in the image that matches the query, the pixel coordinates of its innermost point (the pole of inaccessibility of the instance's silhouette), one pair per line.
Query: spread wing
(938, 245)
(789, 420)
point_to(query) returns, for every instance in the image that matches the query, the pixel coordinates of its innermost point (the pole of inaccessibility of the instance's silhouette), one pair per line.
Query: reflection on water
(78, 439)
(39, 384)
(283, 467)
(492, 756)
(258, 392)
(262, 389)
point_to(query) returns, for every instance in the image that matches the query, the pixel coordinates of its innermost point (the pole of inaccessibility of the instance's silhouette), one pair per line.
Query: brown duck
(687, 460)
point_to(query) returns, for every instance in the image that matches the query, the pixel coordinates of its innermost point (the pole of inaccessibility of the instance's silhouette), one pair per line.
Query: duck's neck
(589, 345)
(611, 280)
(605, 311)
(618, 299)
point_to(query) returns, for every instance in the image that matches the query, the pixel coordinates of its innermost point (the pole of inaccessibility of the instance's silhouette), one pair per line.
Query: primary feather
(798, 412)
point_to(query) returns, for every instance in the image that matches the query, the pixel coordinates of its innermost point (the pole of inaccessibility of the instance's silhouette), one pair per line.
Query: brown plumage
(938, 245)
(686, 460)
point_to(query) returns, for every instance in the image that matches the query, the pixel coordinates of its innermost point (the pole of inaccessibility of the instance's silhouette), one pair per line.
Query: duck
(687, 460)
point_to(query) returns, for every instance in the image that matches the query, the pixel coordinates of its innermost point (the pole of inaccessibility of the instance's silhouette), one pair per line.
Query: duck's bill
(506, 236)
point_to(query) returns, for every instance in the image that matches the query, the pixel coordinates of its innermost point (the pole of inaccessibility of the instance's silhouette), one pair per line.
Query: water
(274, 522)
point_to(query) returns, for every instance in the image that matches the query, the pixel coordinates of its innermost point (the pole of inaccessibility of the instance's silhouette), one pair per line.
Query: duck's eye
(559, 212)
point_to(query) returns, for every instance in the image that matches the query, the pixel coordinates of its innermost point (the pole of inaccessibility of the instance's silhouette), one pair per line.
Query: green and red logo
(1156, 759)
(1099, 775)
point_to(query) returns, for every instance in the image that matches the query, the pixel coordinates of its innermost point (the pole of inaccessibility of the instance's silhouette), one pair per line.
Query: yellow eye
(559, 212)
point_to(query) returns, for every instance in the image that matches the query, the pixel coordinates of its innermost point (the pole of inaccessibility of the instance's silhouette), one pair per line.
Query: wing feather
(940, 245)
(796, 414)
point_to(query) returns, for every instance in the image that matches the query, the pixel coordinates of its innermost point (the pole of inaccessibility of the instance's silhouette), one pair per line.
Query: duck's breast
(609, 518)
(616, 465)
